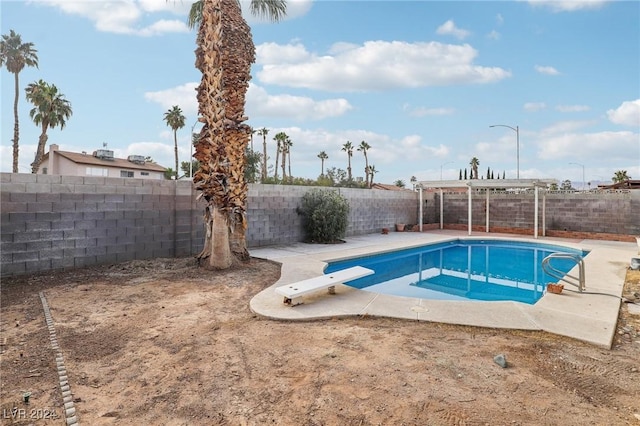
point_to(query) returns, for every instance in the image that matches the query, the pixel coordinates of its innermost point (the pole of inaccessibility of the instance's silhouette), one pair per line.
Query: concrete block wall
(612, 213)
(60, 222)
(53, 222)
(272, 216)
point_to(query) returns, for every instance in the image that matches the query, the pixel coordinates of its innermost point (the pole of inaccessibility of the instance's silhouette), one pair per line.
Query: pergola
(488, 184)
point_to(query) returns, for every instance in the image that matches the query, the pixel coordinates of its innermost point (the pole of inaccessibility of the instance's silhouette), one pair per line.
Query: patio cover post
(487, 212)
(535, 210)
(469, 206)
(420, 209)
(441, 209)
(544, 213)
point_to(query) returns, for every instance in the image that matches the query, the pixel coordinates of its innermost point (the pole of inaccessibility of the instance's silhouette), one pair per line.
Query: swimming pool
(462, 269)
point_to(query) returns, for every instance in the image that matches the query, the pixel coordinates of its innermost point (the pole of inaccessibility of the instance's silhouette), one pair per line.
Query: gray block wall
(272, 216)
(599, 212)
(59, 222)
(50, 222)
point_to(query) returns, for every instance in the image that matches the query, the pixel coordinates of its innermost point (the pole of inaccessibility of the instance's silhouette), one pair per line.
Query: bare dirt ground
(163, 343)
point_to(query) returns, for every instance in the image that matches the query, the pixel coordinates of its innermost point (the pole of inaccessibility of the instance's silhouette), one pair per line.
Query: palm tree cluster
(50, 108)
(257, 164)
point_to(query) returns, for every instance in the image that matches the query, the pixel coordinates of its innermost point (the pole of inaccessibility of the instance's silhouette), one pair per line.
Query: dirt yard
(163, 343)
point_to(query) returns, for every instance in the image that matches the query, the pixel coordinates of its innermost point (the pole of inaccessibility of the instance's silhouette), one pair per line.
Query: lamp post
(442, 165)
(581, 165)
(517, 130)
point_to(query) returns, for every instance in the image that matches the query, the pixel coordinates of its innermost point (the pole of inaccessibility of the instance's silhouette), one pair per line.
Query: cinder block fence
(60, 222)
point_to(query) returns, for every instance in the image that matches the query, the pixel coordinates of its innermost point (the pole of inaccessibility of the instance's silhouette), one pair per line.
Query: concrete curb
(67, 398)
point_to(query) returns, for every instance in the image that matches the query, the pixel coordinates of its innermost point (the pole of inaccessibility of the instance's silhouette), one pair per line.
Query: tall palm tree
(372, 172)
(280, 137)
(283, 162)
(50, 110)
(264, 132)
(175, 119)
(364, 147)
(474, 163)
(288, 144)
(322, 156)
(224, 54)
(252, 132)
(16, 55)
(620, 176)
(348, 148)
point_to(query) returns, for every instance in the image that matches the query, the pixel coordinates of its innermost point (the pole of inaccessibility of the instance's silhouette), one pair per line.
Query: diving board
(293, 293)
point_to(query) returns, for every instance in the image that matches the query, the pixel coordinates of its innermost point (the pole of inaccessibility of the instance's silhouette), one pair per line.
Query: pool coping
(587, 317)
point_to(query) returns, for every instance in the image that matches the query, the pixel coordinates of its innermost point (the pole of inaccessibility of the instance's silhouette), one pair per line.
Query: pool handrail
(566, 277)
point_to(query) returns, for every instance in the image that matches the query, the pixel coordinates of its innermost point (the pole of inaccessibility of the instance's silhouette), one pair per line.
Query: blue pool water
(462, 269)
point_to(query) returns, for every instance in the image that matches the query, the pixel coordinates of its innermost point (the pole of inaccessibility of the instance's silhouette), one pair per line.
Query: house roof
(388, 187)
(627, 184)
(122, 163)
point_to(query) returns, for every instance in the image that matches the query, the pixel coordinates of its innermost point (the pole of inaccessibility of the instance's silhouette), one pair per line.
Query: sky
(421, 82)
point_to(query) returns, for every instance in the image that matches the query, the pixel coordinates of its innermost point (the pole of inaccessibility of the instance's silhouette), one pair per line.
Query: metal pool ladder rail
(558, 274)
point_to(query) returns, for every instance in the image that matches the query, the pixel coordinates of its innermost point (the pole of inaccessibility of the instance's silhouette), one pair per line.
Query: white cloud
(499, 19)
(163, 26)
(295, 9)
(424, 111)
(449, 28)
(572, 108)
(123, 17)
(569, 5)
(564, 127)
(374, 66)
(627, 114)
(534, 106)
(494, 35)
(612, 146)
(184, 96)
(259, 103)
(262, 104)
(547, 70)
(267, 53)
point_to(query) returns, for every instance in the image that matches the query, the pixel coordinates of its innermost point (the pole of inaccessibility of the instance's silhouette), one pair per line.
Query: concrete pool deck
(588, 317)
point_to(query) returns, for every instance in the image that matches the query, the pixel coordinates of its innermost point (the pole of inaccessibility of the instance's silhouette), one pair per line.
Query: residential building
(100, 163)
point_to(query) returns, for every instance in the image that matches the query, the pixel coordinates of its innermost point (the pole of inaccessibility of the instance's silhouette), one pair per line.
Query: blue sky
(419, 81)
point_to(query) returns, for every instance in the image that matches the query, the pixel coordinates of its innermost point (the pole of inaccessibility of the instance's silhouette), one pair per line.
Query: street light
(581, 165)
(517, 130)
(442, 165)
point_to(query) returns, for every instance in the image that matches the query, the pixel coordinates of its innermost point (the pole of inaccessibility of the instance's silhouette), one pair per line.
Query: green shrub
(325, 215)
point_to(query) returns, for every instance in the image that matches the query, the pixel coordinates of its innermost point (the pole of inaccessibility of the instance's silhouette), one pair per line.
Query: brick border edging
(67, 398)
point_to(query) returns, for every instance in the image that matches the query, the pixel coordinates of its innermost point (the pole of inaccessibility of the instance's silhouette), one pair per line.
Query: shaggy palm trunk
(16, 125)
(366, 169)
(275, 173)
(224, 56)
(42, 142)
(175, 151)
(264, 159)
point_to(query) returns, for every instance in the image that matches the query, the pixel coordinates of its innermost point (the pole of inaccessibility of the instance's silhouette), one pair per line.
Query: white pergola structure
(488, 184)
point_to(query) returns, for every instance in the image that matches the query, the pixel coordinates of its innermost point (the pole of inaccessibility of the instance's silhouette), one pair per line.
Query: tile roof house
(388, 187)
(100, 163)
(626, 184)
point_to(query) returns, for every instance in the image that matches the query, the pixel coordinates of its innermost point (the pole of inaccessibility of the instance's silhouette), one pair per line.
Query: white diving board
(293, 292)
